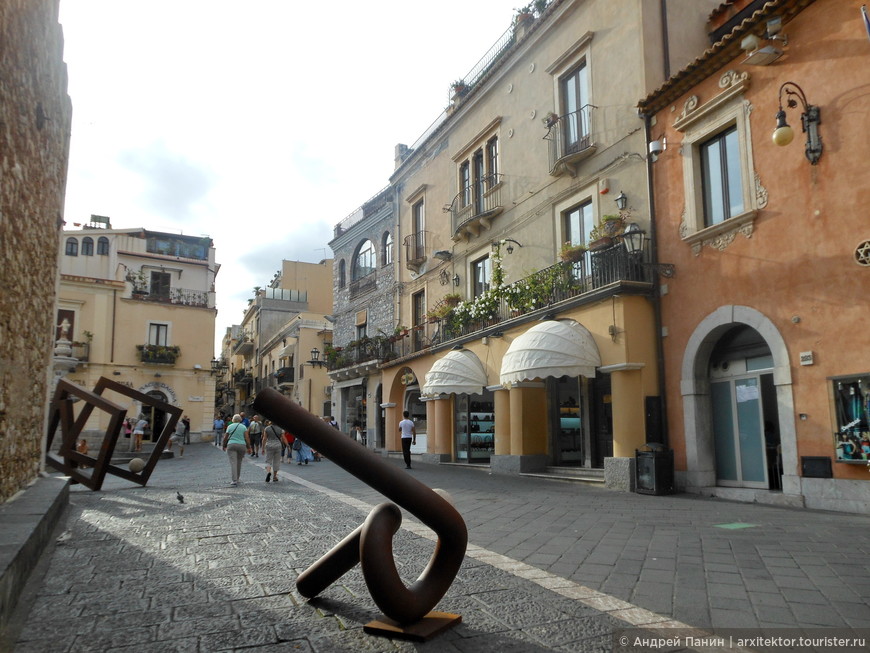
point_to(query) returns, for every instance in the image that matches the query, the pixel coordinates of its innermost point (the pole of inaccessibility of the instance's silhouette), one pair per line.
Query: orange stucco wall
(798, 267)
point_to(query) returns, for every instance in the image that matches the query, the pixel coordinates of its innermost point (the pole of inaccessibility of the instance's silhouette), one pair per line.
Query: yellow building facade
(518, 357)
(139, 308)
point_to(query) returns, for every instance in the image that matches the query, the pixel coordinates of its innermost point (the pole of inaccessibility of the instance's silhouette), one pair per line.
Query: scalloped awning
(459, 372)
(551, 349)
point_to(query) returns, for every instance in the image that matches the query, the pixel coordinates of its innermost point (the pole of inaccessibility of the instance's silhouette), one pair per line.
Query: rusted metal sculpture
(69, 461)
(371, 544)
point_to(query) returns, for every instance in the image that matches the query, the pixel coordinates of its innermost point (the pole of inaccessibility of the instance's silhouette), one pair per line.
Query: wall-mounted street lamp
(783, 134)
(315, 358)
(633, 238)
(510, 244)
(621, 201)
(455, 279)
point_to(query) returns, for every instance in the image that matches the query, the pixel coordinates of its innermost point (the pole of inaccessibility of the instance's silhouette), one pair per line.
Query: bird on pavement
(179, 496)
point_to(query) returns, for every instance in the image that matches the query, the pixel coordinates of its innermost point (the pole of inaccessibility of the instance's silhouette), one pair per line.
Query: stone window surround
(699, 123)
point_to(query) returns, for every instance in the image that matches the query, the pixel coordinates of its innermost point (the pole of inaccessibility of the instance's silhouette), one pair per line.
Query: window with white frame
(387, 248)
(364, 263)
(721, 188)
(481, 275)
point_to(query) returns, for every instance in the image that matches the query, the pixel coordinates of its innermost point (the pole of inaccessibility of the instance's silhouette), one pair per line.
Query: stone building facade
(34, 150)
(364, 309)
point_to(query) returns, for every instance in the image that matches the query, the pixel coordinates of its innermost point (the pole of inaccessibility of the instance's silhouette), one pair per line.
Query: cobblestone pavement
(550, 565)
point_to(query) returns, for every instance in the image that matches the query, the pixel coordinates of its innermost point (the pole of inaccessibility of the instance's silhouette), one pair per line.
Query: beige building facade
(139, 307)
(518, 357)
(273, 345)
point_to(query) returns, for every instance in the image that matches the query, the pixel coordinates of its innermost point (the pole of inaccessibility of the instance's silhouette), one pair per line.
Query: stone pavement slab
(547, 566)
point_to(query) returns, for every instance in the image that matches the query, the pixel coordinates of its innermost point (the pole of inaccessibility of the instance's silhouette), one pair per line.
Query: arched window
(364, 263)
(342, 275)
(72, 247)
(103, 246)
(387, 248)
(87, 246)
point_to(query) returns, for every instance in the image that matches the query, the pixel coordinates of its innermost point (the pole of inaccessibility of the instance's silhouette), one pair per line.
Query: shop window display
(851, 408)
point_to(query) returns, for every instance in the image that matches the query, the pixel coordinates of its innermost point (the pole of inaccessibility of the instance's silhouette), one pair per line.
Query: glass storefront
(475, 427)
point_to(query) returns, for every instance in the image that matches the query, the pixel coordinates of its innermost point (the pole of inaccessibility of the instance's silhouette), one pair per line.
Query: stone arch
(697, 406)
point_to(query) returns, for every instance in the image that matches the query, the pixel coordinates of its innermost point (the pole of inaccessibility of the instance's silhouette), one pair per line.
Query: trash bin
(654, 469)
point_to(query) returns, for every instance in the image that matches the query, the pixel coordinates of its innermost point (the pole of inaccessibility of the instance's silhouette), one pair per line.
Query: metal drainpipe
(666, 47)
(657, 304)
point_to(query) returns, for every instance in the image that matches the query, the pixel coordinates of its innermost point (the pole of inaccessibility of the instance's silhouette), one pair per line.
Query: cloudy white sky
(261, 123)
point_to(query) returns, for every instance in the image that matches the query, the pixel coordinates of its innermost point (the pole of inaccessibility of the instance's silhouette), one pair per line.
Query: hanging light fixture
(783, 134)
(633, 238)
(621, 201)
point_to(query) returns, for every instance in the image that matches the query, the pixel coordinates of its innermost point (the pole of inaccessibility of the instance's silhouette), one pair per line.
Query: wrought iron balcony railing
(178, 296)
(363, 284)
(477, 203)
(570, 139)
(159, 354)
(415, 249)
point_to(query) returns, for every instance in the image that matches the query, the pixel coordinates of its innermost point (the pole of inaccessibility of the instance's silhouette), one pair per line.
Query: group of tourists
(254, 437)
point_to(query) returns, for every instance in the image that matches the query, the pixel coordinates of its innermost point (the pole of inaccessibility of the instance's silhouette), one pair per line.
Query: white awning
(459, 371)
(552, 348)
(288, 348)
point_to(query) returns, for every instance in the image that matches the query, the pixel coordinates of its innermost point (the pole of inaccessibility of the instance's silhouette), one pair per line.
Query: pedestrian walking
(138, 432)
(186, 421)
(255, 431)
(236, 443)
(273, 436)
(219, 426)
(128, 433)
(177, 437)
(409, 436)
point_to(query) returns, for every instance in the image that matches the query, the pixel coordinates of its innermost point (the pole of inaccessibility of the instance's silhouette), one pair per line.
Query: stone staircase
(584, 475)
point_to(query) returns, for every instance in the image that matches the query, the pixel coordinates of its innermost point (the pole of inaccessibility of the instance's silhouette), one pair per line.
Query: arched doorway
(744, 417)
(714, 338)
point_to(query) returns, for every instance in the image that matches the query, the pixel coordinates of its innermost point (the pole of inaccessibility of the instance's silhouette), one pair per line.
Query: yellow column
(392, 417)
(502, 422)
(528, 419)
(629, 428)
(440, 414)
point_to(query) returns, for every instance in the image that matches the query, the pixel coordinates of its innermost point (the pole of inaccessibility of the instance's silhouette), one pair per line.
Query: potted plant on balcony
(139, 281)
(572, 253)
(610, 227)
(550, 119)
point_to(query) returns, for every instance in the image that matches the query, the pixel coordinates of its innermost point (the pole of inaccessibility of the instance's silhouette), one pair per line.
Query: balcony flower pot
(572, 253)
(601, 243)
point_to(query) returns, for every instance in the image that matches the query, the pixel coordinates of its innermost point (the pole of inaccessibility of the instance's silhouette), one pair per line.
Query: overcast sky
(261, 123)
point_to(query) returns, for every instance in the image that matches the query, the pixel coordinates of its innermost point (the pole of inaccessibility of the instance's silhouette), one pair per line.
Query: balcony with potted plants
(158, 354)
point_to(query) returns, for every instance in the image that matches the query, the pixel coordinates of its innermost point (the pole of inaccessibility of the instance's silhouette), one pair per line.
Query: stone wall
(380, 301)
(35, 116)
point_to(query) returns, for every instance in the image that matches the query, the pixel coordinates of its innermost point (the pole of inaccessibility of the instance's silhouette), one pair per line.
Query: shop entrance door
(601, 422)
(738, 432)
(744, 412)
(156, 417)
(569, 433)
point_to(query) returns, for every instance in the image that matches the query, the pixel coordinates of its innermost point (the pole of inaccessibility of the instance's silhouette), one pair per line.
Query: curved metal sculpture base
(371, 545)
